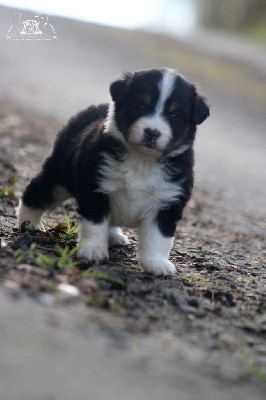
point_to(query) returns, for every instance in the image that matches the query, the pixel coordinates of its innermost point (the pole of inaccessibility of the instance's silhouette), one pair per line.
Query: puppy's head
(157, 110)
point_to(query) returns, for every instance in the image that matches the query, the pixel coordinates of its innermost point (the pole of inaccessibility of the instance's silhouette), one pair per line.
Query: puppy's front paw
(158, 266)
(93, 252)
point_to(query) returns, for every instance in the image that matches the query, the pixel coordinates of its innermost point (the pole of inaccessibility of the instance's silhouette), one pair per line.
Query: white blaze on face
(156, 120)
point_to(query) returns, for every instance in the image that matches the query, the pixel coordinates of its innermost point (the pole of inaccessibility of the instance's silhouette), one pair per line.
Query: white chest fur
(138, 187)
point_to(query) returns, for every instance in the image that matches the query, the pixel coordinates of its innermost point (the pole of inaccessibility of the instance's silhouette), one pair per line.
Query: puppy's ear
(118, 88)
(201, 109)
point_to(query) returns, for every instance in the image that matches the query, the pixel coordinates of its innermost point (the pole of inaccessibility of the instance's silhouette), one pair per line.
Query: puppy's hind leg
(36, 199)
(28, 216)
(116, 237)
(40, 195)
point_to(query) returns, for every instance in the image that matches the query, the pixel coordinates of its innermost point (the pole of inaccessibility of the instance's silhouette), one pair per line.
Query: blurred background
(220, 45)
(246, 17)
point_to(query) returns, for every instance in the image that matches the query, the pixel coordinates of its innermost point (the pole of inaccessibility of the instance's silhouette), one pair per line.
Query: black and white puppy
(129, 163)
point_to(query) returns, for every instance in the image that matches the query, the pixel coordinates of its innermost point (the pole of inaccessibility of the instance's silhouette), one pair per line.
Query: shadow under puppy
(129, 163)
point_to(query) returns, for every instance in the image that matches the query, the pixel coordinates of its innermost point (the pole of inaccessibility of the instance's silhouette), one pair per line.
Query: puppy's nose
(151, 135)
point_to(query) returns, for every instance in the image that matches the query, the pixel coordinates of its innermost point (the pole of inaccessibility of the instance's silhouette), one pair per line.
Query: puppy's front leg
(93, 240)
(154, 249)
(94, 228)
(156, 239)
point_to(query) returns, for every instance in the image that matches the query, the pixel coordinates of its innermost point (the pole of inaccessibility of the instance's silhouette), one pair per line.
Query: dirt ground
(216, 301)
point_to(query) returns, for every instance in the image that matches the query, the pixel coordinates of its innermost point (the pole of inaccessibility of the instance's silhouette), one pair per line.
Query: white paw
(158, 266)
(117, 238)
(92, 251)
(28, 218)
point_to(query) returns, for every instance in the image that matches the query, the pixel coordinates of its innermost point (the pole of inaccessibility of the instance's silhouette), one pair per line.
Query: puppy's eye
(141, 106)
(173, 110)
(174, 115)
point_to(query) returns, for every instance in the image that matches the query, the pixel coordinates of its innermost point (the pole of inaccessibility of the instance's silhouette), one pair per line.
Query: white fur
(166, 87)
(137, 187)
(154, 250)
(116, 237)
(93, 239)
(110, 124)
(27, 214)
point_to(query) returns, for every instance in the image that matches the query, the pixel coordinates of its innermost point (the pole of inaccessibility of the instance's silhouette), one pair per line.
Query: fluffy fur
(129, 163)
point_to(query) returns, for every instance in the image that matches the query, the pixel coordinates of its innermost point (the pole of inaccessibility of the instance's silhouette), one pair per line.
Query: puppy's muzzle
(150, 137)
